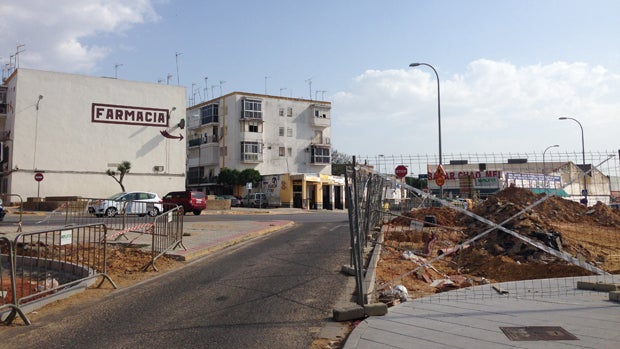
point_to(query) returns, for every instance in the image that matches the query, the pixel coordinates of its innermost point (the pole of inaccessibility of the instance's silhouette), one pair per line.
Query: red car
(191, 200)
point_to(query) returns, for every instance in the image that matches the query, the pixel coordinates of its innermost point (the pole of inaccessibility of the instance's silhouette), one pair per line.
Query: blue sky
(507, 69)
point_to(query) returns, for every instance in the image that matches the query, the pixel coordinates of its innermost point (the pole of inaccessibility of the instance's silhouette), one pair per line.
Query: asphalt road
(276, 291)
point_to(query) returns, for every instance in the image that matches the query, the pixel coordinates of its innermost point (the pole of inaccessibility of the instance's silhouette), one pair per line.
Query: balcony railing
(203, 140)
(320, 121)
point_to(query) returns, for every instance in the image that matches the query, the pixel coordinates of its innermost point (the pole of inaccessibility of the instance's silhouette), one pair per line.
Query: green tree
(250, 175)
(121, 169)
(228, 177)
(416, 182)
(340, 162)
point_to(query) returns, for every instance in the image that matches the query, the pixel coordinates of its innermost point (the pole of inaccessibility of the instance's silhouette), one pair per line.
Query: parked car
(234, 201)
(256, 200)
(191, 200)
(2, 210)
(136, 202)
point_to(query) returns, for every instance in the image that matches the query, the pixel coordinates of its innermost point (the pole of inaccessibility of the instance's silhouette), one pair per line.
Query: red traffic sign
(440, 181)
(400, 171)
(38, 176)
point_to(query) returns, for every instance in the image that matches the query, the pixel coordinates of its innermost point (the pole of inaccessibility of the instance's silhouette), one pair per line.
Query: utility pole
(116, 69)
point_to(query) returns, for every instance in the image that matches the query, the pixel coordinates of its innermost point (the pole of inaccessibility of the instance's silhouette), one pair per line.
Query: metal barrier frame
(7, 245)
(51, 254)
(167, 234)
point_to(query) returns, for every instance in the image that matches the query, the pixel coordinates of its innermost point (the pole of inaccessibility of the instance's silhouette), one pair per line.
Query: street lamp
(438, 112)
(544, 172)
(379, 163)
(583, 154)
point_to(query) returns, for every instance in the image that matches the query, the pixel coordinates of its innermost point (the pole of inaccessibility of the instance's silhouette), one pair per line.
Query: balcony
(210, 119)
(251, 158)
(320, 121)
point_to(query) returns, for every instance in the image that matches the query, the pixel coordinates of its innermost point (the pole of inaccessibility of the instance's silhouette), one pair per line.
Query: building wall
(293, 115)
(59, 135)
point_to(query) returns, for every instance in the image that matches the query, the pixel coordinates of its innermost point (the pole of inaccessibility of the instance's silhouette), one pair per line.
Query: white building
(70, 129)
(287, 140)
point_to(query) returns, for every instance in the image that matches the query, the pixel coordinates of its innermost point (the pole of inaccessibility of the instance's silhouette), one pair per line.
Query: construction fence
(35, 265)
(479, 236)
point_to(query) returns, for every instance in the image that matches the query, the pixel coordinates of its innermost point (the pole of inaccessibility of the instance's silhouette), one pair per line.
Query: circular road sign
(440, 181)
(38, 176)
(400, 171)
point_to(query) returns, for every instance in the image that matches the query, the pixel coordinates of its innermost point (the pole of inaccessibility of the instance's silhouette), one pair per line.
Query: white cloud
(55, 33)
(491, 107)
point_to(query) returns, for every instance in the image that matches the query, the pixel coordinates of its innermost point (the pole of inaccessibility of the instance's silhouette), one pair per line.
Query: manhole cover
(537, 333)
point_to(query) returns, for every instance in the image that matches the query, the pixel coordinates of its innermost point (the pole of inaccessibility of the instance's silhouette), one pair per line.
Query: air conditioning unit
(158, 168)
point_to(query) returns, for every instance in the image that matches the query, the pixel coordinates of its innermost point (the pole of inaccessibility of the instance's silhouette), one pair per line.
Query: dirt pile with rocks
(590, 234)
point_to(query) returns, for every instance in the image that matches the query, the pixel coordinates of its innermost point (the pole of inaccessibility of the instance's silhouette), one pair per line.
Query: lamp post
(379, 163)
(583, 154)
(438, 113)
(544, 172)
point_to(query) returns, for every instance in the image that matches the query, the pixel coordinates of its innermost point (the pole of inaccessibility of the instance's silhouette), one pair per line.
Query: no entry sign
(38, 176)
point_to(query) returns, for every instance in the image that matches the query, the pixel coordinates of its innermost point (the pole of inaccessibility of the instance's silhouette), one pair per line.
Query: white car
(135, 202)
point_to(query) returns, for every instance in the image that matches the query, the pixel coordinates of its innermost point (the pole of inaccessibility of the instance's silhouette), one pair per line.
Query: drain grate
(537, 333)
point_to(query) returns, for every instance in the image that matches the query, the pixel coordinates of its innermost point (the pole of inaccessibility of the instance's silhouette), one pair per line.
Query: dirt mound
(591, 234)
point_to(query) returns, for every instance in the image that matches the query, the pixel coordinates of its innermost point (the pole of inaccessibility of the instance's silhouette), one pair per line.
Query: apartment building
(287, 140)
(61, 132)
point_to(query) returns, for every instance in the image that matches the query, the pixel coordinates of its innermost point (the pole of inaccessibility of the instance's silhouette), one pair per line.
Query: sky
(507, 69)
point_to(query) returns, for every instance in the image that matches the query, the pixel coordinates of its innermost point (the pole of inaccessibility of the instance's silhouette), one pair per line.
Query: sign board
(400, 171)
(38, 176)
(416, 225)
(440, 181)
(66, 236)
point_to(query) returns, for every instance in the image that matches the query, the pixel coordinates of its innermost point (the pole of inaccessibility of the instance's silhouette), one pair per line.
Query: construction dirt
(590, 234)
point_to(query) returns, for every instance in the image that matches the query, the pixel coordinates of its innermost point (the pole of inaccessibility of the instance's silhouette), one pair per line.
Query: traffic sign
(440, 180)
(38, 176)
(400, 171)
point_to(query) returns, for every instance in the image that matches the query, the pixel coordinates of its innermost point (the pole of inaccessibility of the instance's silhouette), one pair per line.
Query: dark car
(234, 201)
(191, 200)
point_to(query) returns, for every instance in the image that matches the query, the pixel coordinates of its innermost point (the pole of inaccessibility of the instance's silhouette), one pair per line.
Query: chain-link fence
(487, 219)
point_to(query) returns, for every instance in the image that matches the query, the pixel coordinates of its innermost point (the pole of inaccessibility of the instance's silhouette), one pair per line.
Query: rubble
(591, 234)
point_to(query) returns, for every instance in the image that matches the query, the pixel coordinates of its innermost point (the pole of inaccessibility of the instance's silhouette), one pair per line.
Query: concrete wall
(60, 136)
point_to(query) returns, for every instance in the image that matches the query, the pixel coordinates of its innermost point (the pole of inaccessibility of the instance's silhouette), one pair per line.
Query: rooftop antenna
(116, 69)
(221, 83)
(168, 79)
(266, 77)
(17, 52)
(206, 88)
(282, 89)
(212, 94)
(193, 99)
(177, 54)
(309, 81)
(322, 94)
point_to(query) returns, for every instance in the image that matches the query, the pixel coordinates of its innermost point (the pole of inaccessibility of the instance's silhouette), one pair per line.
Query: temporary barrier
(51, 261)
(167, 234)
(514, 232)
(8, 302)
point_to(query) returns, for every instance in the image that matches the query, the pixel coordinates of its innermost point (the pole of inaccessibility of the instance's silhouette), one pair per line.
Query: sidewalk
(573, 319)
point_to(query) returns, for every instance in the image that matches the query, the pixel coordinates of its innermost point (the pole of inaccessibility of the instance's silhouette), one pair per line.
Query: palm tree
(122, 168)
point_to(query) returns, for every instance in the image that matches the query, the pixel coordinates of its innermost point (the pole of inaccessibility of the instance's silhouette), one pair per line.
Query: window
(281, 112)
(289, 132)
(251, 151)
(289, 111)
(289, 151)
(282, 151)
(320, 155)
(253, 127)
(209, 113)
(252, 109)
(281, 131)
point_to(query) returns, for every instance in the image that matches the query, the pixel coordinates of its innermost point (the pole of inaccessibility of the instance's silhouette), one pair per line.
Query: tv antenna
(309, 81)
(177, 54)
(116, 69)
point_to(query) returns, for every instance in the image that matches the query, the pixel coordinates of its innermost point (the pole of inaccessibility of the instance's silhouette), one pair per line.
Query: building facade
(287, 140)
(66, 130)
